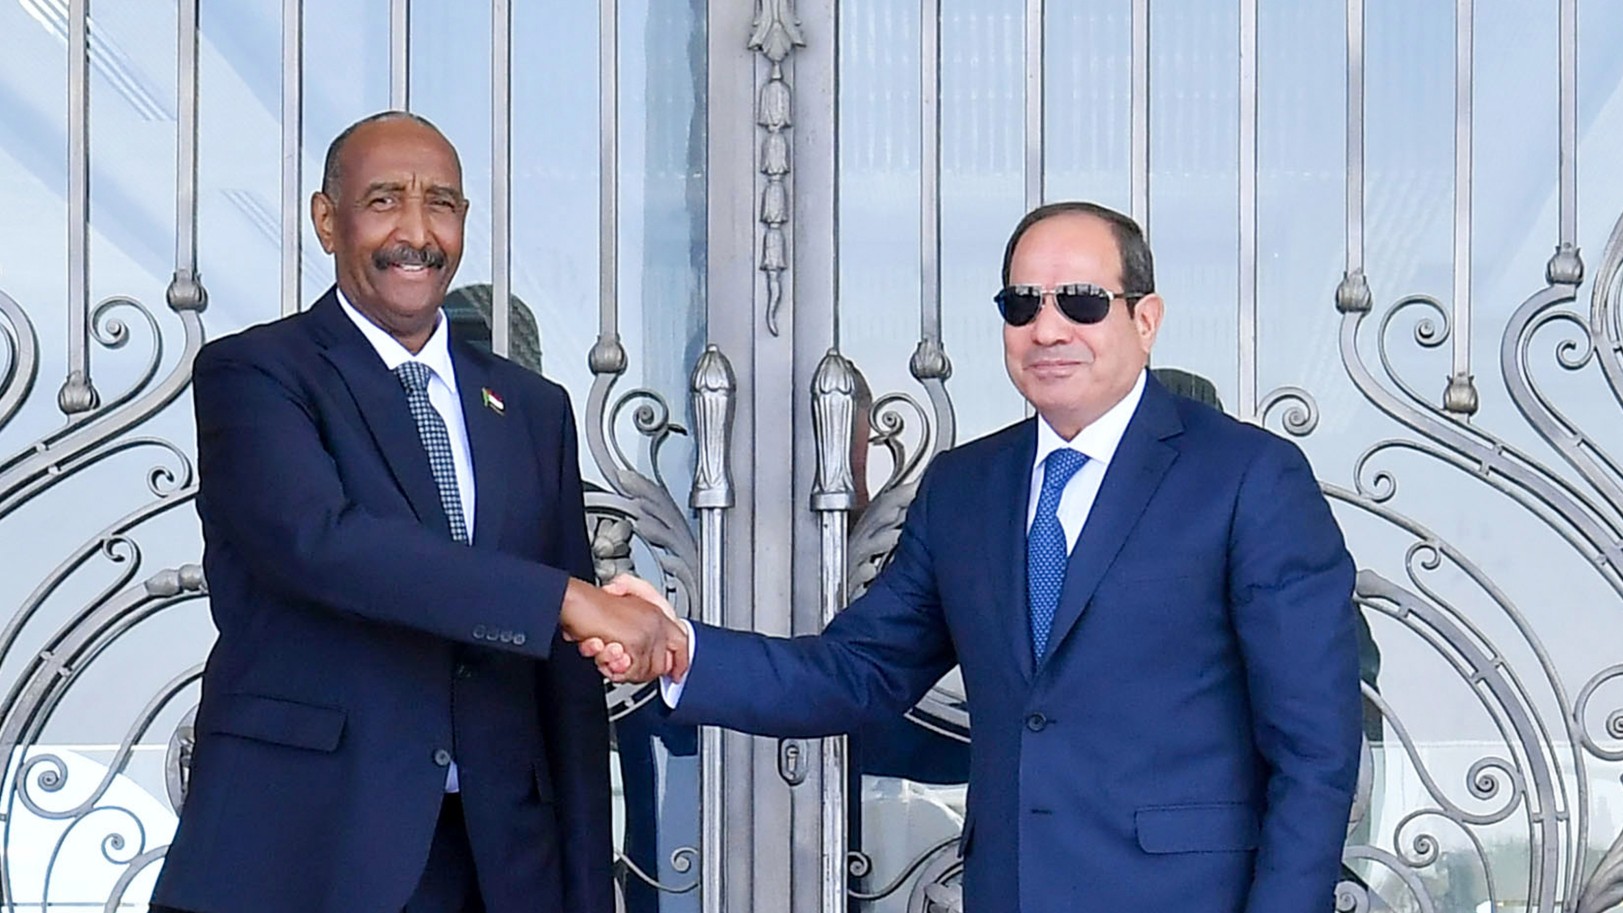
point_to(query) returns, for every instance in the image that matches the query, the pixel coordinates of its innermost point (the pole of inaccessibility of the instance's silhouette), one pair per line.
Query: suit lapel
(1135, 472)
(1008, 495)
(488, 435)
(382, 404)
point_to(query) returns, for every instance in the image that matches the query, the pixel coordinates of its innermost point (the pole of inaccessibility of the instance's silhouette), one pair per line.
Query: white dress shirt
(442, 395)
(1098, 442)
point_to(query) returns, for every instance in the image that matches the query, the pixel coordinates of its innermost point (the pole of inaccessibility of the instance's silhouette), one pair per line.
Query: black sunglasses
(1080, 302)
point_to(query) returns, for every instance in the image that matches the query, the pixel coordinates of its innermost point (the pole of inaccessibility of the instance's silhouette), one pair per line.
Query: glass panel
(1087, 84)
(1193, 224)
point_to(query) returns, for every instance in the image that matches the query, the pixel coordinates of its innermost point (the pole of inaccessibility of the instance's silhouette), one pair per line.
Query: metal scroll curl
(41, 782)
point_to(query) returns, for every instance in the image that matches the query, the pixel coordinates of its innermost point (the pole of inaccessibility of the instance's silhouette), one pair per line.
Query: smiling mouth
(1053, 367)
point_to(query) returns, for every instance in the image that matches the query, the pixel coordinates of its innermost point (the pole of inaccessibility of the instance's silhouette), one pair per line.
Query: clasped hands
(627, 628)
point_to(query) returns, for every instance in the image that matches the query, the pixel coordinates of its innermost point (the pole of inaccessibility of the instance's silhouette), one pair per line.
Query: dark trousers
(448, 884)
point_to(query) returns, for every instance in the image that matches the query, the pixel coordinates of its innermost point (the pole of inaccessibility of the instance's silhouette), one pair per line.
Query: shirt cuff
(671, 691)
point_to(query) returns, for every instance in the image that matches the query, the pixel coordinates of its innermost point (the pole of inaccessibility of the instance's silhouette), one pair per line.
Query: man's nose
(412, 226)
(1050, 326)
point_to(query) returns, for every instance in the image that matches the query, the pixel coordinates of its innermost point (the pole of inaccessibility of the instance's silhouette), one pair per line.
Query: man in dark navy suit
(395, 548)
(1151, 606)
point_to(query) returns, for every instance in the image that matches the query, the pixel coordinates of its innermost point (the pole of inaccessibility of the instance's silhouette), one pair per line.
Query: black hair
(1137, 265)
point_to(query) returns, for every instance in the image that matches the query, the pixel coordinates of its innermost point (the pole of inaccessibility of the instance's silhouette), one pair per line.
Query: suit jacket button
(507, 637)
(478, 632)
(518, 639)
(1036, 722)
(442, 758)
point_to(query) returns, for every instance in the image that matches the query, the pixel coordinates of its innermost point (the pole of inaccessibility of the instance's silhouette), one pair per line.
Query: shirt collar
(1098, 441)
(436, 353)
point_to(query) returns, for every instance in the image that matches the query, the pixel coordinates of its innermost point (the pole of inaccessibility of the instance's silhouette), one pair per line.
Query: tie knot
(413, 376)
(1060, 465)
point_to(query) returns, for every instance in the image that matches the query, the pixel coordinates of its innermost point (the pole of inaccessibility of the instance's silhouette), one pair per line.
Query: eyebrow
(442, 190)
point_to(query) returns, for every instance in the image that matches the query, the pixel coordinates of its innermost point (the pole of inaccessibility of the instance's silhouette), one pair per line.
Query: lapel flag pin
(492, 401)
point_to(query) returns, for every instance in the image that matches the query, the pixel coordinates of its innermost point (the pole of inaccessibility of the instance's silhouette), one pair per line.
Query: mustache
(406, 255)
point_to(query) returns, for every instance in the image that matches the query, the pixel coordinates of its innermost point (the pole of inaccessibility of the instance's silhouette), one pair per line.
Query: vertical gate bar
(1035, 109)
(184, 288)
(608, 106)
(1355, 137)
(186, 140)
(1462, 185)
(1248, 211)
(292, 141)
(713, 821)
(78, 393)
(501, 154)
(1460, 396)
(712, 796)
(836, 749)
(929, 364)
(1140, 151)
(713, 387)
(400, 55)
(1352, 294)
(930, 169)
(1566, 266)
(833, 496)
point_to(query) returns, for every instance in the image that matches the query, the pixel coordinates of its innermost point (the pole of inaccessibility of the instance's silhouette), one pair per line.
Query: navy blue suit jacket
(358, 643)
(1191, 739)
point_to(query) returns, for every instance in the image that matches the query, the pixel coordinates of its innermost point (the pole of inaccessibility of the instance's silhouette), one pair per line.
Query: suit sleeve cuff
(671, 691)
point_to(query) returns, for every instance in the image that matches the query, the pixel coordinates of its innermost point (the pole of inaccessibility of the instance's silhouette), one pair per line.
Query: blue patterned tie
(414, 377)
(1045, 547)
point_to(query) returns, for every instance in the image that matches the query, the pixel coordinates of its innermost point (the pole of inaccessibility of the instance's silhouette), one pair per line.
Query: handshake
(627, 628)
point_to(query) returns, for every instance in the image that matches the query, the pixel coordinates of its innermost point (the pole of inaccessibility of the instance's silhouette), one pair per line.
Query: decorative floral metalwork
(935, 875)
(635, 504)
(40, 778)
(1543, 775)
(775, 36)
(713, 389)
(682, 860)
(643, 498)
(911, 436)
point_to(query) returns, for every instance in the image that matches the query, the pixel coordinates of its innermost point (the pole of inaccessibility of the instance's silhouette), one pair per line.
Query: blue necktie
(414, 376)
(1045, 547)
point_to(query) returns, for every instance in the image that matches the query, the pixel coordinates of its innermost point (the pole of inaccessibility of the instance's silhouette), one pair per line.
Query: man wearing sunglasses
(1151, 606)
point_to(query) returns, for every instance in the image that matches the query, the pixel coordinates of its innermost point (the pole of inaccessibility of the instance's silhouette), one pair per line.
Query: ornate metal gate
(799, 208)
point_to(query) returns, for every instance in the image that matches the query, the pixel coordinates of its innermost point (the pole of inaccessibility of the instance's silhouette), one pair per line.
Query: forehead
(1070, 247)
(399, 151)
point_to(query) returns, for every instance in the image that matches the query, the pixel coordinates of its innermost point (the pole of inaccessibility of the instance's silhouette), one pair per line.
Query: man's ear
(322, 209)
(1147, 316)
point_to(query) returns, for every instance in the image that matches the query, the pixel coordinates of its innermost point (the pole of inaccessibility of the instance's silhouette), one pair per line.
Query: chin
(415, 300)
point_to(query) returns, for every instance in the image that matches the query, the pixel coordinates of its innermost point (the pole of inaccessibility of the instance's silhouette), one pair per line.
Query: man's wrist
(671, 691)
